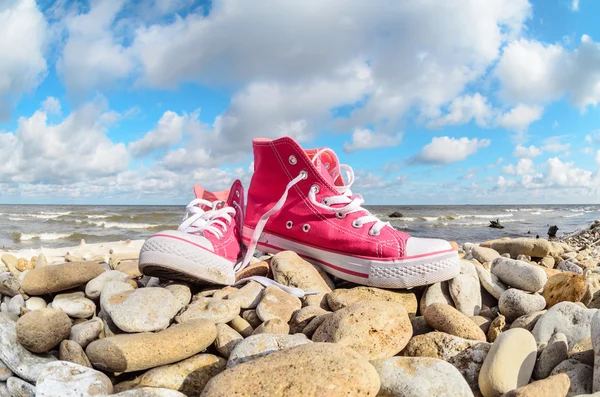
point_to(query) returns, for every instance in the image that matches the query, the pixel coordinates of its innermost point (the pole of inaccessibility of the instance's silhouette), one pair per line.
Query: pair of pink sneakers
(298, 200)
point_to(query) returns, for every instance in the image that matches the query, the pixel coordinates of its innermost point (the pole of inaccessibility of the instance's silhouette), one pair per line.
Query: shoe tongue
(204, 194)
(327, 165)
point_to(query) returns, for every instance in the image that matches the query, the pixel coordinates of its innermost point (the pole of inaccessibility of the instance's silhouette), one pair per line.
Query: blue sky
(463, 102)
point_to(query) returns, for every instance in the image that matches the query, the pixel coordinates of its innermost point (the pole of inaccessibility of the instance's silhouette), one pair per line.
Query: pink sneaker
(207, 244)
(298, 201)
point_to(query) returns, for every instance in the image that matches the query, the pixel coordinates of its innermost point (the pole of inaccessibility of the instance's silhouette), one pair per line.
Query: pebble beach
(521, 319)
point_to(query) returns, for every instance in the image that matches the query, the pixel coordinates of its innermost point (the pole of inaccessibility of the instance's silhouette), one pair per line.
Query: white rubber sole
(403, 273)
(175, 256)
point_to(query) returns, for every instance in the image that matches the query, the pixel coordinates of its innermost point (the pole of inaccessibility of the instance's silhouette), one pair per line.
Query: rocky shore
(521, 319)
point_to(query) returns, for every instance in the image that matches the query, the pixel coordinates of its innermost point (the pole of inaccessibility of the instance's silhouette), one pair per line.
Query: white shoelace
(197, 220)
(353, 204)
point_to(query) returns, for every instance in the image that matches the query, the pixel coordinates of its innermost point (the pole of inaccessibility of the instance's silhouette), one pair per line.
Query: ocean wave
(98, 216)
(573, 215)
(40, 236)
(511, 210)
(15, 218)
(37, 216)
(56, 213)
(122, 225)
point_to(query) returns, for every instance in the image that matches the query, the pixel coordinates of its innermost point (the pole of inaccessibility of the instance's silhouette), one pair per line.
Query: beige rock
(276, 303)
(527, 321)
(23, 264)
(224, 292)
(483, 254)
(375, 329)
(75, 304)
(263, 344)
(252, 318)
(242, 326)
(72, 352)
(307, 370)
(341, 297)
(262, 268)
(210, 309)
(248, 296)
(130, 268)
(466, 290)
(291, 270)
(490, 282)
(52, 279)
(149, 392)
(141, 310)
(35, 303)
(86, 332)
(548, 261)
(496, 328)
(438, 345)
(563, 287)
(436, 293)
(303, 317)
(315, 323)
(509, 363)
(554, 386)
(189, 376)
(419, 376)
(272, 326)
(41, 330)
(227, 339)
(447, 319)
(66, 379)
(11, 263)
(538, 248)
(130, 352)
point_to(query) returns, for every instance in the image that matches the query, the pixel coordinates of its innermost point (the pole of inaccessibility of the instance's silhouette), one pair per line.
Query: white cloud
(497, 163)
(23, 32)
(394, 76)
(503, 183)
(463, 109)
(554, 145)
(367, 139)
(76, 149)
(519, 118)
(92, 56)
(168, 133)
(524, 166)
(593, 137)
(566, 174)
(534, 72)
(531, 151)
(51, 105)
(575, 5)
(445, 150)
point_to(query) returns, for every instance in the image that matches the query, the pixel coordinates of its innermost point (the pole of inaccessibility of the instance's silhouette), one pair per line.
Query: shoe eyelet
(293, 160)
(372, 233)
(339, 215)
(237, 193)
(289, 224)
(324, 201)
(304, 174)
(305, 228)
(326, 166)
(315, 188)
(356, 225)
